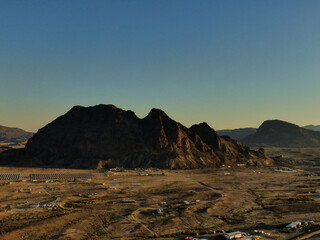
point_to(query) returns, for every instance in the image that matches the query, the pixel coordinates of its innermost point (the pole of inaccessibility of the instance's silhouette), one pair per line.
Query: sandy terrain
(140, 204)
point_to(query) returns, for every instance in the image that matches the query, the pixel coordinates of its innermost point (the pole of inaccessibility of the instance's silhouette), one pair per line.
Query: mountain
(105, 136)
(312, 127)
(283, 134)
(238, 133)
(13, 137)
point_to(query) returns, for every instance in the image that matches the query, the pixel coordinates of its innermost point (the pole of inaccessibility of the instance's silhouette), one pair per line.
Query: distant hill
(105, 136)
(13, 137)
(283, 134)
(312, 127)
(238, 133)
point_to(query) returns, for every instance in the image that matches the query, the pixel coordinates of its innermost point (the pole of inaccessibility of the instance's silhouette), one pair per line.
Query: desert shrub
(302, 199)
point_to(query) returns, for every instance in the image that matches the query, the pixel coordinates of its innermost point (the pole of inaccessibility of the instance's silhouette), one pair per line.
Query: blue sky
(229, 63)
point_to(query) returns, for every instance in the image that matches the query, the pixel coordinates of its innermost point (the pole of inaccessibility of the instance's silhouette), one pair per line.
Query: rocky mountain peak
(108, 136)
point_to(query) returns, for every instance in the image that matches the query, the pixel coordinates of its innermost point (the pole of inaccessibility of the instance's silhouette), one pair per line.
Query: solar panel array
(60, 176)
(10, 176)
(51, 176)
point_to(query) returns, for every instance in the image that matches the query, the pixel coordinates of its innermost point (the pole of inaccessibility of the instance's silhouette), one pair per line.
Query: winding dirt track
(141, 223)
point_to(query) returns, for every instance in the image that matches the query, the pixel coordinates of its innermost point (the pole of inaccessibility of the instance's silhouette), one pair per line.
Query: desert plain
(165, 204)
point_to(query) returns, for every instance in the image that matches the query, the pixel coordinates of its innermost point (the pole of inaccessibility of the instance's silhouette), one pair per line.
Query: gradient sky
(230, 63)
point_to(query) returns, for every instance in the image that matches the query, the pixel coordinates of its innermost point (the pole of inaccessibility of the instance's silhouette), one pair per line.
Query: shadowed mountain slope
(283, 134)
(106, 136)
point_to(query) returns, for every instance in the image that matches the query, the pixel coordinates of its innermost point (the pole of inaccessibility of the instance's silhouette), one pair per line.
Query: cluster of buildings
(25, 205)
(298, 225)
(237, 235)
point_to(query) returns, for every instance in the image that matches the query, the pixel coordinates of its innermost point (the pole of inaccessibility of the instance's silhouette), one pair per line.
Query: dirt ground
(163, 204)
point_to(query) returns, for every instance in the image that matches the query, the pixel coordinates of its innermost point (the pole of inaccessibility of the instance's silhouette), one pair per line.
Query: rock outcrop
(105, 136)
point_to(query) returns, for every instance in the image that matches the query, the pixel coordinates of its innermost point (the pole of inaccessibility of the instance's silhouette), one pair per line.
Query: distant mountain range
(238, 133)
(13, 137)
(312, 127)
(282, 134)
(276, 133)
(105, 136)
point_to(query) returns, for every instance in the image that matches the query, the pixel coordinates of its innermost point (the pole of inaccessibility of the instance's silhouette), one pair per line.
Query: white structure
(235, 235)
(293, 225)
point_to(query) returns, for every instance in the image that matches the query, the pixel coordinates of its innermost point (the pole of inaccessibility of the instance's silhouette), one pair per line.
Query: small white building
(235, 235)
(293, 225)
(158, 211)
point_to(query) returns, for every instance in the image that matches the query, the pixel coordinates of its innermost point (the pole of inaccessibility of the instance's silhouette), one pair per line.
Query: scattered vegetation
(302, 199)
